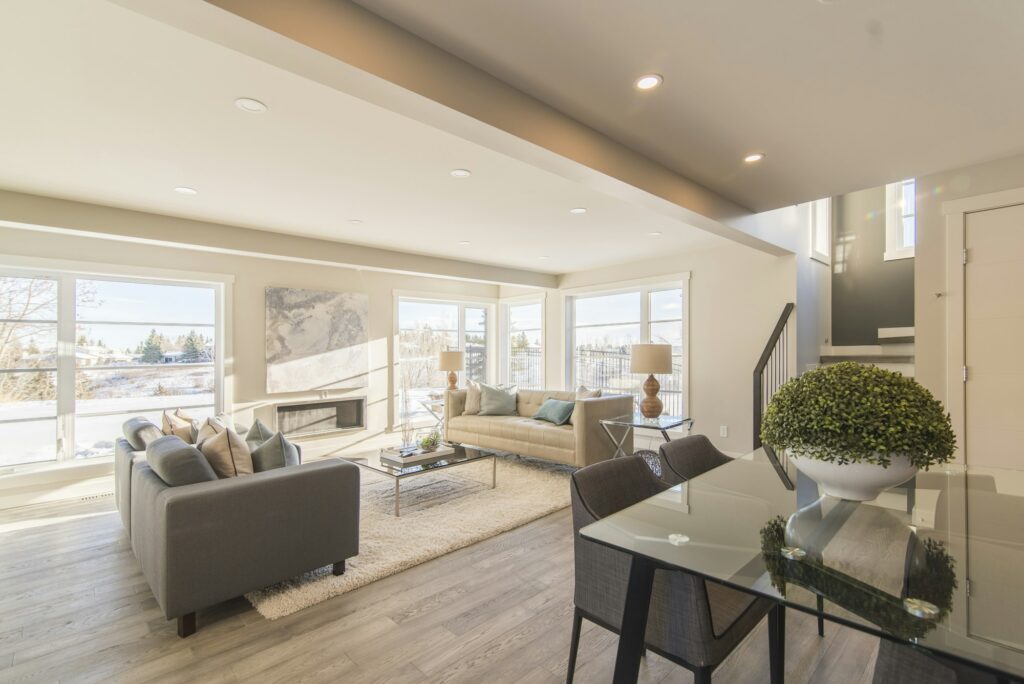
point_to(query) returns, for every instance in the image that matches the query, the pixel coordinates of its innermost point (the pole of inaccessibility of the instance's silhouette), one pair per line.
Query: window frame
(821, 210)
(895, 212)
(645, 287)
(506, 334)
(67, 274)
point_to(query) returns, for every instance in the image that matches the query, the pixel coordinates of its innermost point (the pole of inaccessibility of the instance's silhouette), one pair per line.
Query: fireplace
(321, 417)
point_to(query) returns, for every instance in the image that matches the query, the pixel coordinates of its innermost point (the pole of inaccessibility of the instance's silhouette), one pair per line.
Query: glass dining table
(936, 565)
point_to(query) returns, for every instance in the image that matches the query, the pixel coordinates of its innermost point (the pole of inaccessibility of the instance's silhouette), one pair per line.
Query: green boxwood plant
(851, 413)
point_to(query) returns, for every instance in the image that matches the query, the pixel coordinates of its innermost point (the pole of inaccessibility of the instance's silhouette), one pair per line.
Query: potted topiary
(856, 429)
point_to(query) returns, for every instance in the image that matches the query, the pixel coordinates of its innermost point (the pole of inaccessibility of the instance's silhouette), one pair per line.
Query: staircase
(894, 351)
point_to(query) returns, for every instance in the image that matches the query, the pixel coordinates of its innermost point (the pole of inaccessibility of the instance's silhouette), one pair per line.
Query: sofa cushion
(276, 452)
(497, 400)
(515, 428)
(228, 454)
(528, 402)
(210, 427)
(257, 434)
(555, 411)
(178, 463)
(140, 432)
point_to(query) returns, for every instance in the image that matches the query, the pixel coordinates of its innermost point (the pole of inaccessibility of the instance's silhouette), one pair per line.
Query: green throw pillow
(276, 452)
(555, 411)
(497, 401)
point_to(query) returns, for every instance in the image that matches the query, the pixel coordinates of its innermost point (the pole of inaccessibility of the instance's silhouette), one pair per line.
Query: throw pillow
(276, 452)
(584, 393)
(497, 400)
(258, 434)
(177, 426)
(178, 463)
(211, 427)
(195, 424)
(555, 411)
(472, 399)
(139, 432)
(228, 454)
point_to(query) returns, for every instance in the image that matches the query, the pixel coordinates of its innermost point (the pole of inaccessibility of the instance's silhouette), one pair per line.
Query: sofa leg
(339, 568)
(187, 625)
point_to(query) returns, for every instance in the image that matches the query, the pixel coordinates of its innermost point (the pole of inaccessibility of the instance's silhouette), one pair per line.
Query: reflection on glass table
(895, 567)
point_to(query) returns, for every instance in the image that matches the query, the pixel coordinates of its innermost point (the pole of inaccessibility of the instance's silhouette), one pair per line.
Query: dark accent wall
(868, 292)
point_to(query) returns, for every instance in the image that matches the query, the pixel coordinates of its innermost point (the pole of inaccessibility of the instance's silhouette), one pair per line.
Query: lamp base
(651, 405)
(453, 381)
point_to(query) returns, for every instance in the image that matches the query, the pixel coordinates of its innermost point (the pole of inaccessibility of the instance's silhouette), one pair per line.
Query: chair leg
(777, 643)
(187, 625)
(574, 645)
(821, 616)
(702, 675)
(339, 568)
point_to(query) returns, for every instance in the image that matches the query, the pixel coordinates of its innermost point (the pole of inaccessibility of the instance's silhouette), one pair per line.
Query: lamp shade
(651, 358)
(452, 361)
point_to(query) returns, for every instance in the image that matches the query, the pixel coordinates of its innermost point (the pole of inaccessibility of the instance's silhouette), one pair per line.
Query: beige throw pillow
(584, 393)
(472, 399)
(228, 454)
(211, 427)
(177, 426)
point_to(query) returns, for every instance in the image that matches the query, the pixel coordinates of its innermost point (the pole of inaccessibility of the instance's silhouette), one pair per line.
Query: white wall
(246, 367)
(736, 296)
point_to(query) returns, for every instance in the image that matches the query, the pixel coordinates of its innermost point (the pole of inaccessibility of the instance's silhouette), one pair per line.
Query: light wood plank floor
(75, 608)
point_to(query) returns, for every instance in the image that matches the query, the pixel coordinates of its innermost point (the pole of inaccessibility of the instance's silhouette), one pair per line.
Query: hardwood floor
(76, 608)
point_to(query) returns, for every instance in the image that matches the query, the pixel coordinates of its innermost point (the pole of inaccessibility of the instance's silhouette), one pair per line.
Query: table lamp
(651, 359)
(452, 361)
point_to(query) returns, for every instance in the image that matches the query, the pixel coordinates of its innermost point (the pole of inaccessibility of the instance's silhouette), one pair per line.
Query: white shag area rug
(441, 512)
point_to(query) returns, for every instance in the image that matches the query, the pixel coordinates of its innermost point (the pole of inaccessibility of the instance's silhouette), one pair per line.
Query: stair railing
(771, 371)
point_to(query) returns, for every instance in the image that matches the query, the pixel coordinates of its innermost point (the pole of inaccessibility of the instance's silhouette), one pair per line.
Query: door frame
(956, 213)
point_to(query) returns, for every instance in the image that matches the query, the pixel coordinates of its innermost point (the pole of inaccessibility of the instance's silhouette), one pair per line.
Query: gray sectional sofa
(201, 540)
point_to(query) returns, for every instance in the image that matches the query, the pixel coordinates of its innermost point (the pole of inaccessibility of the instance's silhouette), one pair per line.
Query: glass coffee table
(463, 455)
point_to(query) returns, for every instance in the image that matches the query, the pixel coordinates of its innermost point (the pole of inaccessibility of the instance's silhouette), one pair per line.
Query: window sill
(896, 254)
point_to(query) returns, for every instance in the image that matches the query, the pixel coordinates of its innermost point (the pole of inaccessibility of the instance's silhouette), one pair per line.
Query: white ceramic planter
(855, 481)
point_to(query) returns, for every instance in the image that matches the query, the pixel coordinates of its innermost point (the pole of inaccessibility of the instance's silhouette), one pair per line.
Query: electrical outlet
(723, 430)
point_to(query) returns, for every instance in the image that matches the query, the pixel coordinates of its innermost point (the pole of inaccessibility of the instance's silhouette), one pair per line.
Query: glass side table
(436, 409)
(628, 423)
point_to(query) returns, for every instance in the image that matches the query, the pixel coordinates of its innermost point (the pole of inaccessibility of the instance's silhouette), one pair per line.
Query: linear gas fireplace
(321, 417)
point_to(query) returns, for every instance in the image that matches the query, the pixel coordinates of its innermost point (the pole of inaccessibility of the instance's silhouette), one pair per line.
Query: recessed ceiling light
(542, 258)
(649, 81)
(355, 222)
(754, 157)
(186, 191)
(578, 210)
(464, 242)
(247, 104)
(655, 233)
(462, 173)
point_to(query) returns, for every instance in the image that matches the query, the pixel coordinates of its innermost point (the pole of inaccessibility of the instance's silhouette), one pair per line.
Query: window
(900, 220)
(425, 329)
(526, 345)
(606, 326)
(80, 355)
(821, 230)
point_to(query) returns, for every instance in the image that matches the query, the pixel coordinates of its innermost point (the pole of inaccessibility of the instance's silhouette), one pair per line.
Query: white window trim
(645, 286)
(817, 254)
(505, 331)
(66, 271)
(894, 249)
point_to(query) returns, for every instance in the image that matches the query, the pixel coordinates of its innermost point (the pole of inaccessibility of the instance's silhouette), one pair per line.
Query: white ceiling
(841, 94)
(104, 105)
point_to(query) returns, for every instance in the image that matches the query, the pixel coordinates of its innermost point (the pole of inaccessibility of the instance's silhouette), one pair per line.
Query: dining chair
(687, 457)
(692, 622)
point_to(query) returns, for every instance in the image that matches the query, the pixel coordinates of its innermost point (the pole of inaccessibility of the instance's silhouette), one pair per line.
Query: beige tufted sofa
(580, 443)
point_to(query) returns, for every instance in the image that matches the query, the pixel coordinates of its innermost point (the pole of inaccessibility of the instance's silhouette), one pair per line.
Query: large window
(821, 230)
(606, 326)
(425, 329)
(900, 220)
(80, 355)
(525, 345)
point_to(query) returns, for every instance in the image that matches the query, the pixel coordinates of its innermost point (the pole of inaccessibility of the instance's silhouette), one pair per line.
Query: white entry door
(994, 338)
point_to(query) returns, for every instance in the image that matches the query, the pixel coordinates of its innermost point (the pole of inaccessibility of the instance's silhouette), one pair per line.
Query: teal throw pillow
(555, 411)
(497, 401)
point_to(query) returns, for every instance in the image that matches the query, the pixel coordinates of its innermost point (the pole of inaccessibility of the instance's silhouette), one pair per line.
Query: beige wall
(246, 373)
(736, 296)
(930, 256)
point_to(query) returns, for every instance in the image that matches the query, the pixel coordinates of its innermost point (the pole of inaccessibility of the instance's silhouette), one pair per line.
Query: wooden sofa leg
(339, 568)
(187, 625)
